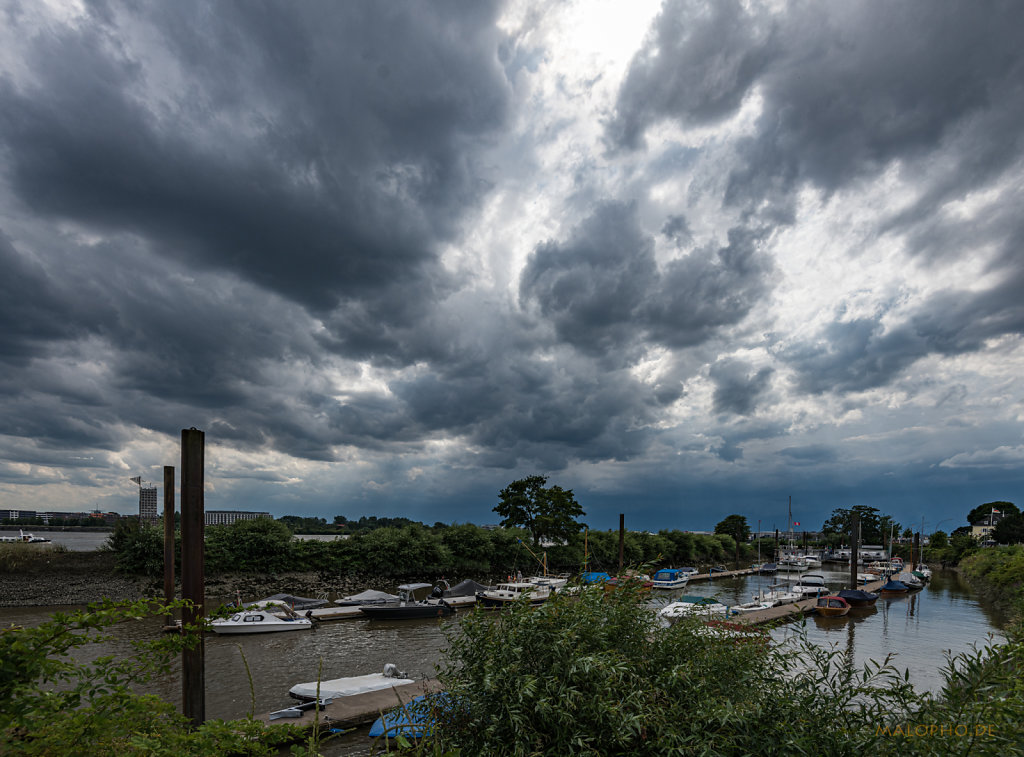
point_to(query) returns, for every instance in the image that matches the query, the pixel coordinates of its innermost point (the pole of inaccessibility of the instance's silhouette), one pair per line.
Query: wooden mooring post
(193, 586)
(854, 548)
(169, 540)
(622, 540)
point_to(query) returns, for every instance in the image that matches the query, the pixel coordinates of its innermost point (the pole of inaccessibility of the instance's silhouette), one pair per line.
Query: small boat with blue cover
(670, 578)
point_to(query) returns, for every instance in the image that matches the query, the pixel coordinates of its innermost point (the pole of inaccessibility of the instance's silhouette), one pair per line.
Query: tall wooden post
(622, 540)
(169, 539)
(854, 548)
(193, 589)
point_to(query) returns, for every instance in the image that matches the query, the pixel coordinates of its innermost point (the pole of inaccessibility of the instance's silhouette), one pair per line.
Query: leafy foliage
(1010, 530)
(979, 512)
(138, 548)
(597, 675)
(51, 703)
(547, 513)
(262, 546)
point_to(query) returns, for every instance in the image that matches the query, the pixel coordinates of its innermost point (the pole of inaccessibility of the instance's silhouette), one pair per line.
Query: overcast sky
(686, 259)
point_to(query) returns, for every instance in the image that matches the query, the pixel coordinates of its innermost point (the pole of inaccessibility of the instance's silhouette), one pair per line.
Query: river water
(918, 629)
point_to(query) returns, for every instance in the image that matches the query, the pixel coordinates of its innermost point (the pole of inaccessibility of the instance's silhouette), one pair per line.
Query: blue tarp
(593, 577)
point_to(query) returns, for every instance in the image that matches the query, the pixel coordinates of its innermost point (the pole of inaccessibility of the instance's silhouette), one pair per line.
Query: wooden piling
(854, 548)
(193, 661)
(622, 540)
(169, 540)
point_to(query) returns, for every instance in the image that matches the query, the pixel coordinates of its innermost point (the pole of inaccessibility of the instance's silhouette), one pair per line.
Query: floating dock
(791, 610)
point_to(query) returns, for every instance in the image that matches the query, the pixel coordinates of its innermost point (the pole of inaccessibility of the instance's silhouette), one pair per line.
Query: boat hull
(406, 612)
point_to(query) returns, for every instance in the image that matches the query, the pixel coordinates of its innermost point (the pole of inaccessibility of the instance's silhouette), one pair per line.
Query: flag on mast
(137, 480)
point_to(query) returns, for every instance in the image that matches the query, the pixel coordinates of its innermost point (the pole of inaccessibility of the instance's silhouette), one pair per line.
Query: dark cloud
(697, 64)
(846, 89)
(738, 386)
(605, 295)
(321, 152)
(866, 353)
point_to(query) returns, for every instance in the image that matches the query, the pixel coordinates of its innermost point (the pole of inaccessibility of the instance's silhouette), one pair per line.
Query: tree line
(416, 551)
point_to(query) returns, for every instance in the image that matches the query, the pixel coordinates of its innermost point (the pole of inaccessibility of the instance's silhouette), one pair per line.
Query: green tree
(1010, 530)
(547, 513)
(736, 527)
(1003, 508)
(841, 522)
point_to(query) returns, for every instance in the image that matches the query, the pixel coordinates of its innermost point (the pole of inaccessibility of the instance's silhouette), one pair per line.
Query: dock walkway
(791, 610)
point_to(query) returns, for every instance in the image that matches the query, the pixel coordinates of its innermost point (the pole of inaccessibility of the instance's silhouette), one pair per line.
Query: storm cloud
(391, 257)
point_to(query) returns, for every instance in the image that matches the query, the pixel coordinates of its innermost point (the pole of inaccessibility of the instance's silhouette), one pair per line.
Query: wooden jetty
(359, 709)
(721, 574)
(791, 610)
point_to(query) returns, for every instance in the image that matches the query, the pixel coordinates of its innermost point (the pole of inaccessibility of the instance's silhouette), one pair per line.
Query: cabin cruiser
(670, 578)
(256, 620)
(810, 585)
(408, 607)
(506, 594)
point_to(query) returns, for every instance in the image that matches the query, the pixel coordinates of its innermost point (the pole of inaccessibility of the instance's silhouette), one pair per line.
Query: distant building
(147, 503)
(17, 514)
(982, 528)
(227, 517)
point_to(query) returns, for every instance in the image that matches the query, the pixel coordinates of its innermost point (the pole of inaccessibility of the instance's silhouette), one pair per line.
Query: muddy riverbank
(78, 578)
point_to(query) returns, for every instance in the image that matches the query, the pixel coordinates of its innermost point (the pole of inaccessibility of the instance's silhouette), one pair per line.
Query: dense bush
(51, 703)
(138, 548)
(595, 674)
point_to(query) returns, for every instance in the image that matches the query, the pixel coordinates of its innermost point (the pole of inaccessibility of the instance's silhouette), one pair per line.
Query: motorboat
(858, 597)
(368, 597)
(413, 720)
(776, 595)
(555, 583)
(507, 594)
(912, 582)
(894, 588)
(288, 601)
(346, 687)
(259, 620)
(670, 578)
(768, 569)
(810, 585)
(689, 606)
(832, 606)
(689, 571)
(408, 607)
(923, 570)
(754, 606)
(23, 538)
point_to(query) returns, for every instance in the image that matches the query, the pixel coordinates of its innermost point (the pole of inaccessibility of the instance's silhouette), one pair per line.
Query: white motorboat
(704, 607)
(504, 595)
(924, 570)
(23, 538)
(670, 578)
(346, 687)
(751, 607)
(911, 581)
(810, 585)
(554, 583)
(778, 594)
(259, 621)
